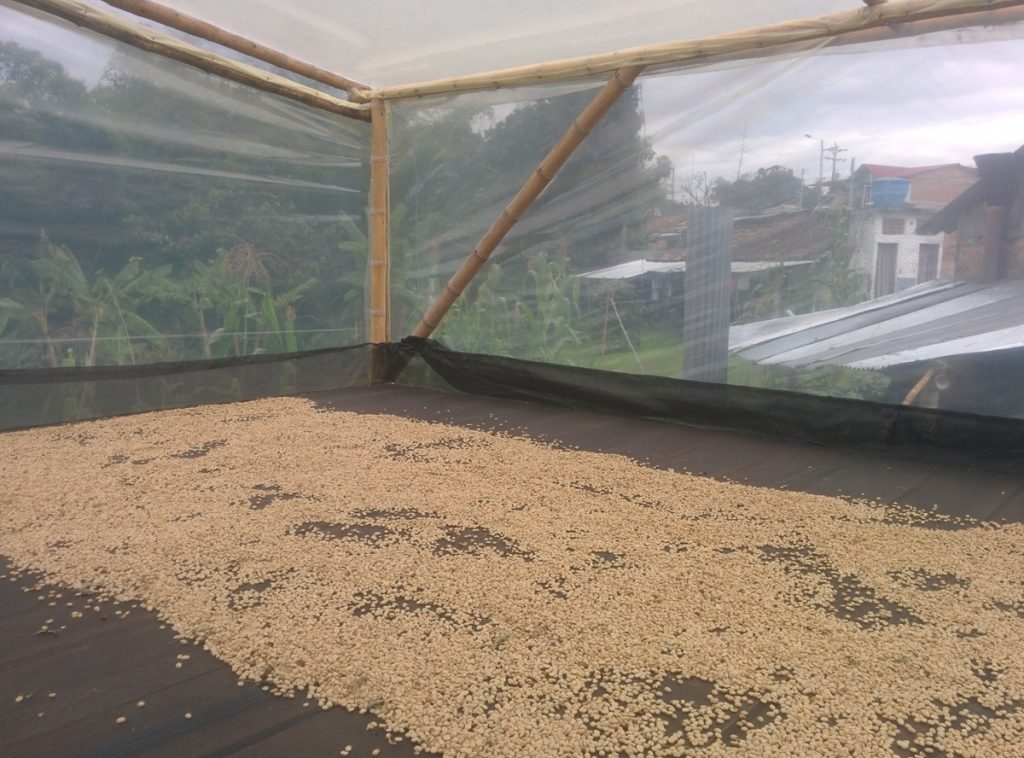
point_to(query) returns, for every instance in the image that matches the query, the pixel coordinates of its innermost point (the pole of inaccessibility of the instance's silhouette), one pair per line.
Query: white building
(889, 202)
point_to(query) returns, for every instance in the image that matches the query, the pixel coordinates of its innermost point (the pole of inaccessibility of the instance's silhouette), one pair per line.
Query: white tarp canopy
(390, 43)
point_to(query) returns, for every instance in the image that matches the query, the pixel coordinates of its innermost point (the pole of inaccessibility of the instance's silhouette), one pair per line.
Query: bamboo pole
(919, 387)
(999, 17)
(134, 34)
(625, 334)
(748, 43)
(540, 179)
(205, 30)
(380, 306)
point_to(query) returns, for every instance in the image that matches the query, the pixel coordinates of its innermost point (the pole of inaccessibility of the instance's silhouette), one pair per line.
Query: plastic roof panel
(389, 43)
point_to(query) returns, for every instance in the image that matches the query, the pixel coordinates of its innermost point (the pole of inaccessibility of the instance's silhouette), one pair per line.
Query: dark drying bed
(101, 665)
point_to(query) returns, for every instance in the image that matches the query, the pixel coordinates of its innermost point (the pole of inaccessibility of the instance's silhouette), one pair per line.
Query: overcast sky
(83, 56)
(913, 105)
(909, 106)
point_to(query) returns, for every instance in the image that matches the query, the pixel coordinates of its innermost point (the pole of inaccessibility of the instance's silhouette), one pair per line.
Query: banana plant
(53, 300)
(113, 305)
(40, 288)
(277, 315)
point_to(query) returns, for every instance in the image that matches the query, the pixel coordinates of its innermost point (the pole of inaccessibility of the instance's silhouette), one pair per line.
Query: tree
(163, 171)
(844, 283)
(597, 205)
(29, 81)
(697, 190)
(753, 194)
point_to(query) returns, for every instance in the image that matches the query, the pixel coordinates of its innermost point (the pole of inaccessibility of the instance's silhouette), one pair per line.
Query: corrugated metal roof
(929, 321)
(631, 269)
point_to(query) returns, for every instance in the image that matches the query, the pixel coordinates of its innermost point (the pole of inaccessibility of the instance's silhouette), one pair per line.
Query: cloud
(907, 106)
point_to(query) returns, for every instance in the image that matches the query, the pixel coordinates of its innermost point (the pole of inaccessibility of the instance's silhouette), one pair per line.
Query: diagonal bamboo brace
(540, 179)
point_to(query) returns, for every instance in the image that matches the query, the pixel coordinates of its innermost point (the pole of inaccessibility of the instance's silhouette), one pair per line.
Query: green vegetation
(832, 381)
(843, 283)
(162, 215)
(536, 316)
(540, 317)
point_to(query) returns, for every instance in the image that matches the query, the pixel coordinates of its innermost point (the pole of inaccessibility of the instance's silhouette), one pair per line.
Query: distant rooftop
(642, 266)
(789, 236)
(930, 186)
(881, 171)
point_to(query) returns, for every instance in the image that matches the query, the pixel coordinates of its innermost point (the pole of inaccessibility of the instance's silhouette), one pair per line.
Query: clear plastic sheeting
(152, 213)
(381, 44)
(713, 202)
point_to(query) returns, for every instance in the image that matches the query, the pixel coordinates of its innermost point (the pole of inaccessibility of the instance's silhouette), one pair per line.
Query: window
(928, 263)
(892, 225)
(885, 269)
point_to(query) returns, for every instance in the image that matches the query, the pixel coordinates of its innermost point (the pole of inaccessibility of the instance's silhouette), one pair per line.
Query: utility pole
(834, 150)
(743, 149)
(821, 159)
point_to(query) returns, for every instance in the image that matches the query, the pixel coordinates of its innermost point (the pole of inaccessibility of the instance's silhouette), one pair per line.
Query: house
(986, 222)
(956, 345)
(887, 206)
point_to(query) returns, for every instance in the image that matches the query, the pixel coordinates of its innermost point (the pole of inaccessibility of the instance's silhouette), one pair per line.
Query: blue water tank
(889, 193)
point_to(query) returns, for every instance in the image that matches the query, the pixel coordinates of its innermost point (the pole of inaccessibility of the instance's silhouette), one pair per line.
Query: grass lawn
(660, 353)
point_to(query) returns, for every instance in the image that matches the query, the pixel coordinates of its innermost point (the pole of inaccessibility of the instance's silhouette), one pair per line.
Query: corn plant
(534, 317)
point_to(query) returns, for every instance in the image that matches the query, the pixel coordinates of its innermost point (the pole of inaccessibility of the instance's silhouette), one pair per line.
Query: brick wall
(970, 243)
(940, 185)
(947, 261)
(970, 246)
(1015, 237)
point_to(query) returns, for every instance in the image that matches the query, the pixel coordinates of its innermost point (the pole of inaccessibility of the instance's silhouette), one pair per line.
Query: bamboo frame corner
(125, 30)
(169, 17)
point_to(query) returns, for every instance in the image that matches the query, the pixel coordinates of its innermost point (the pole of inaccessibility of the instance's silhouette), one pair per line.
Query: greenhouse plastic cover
(152, 214)
(600, 273)
(387, 43)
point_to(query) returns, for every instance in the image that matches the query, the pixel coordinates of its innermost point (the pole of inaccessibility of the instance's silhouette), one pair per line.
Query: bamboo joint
(131, 33)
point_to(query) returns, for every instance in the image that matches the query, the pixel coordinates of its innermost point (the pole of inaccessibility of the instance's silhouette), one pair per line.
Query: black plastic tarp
(36, 397)
(836, 422)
